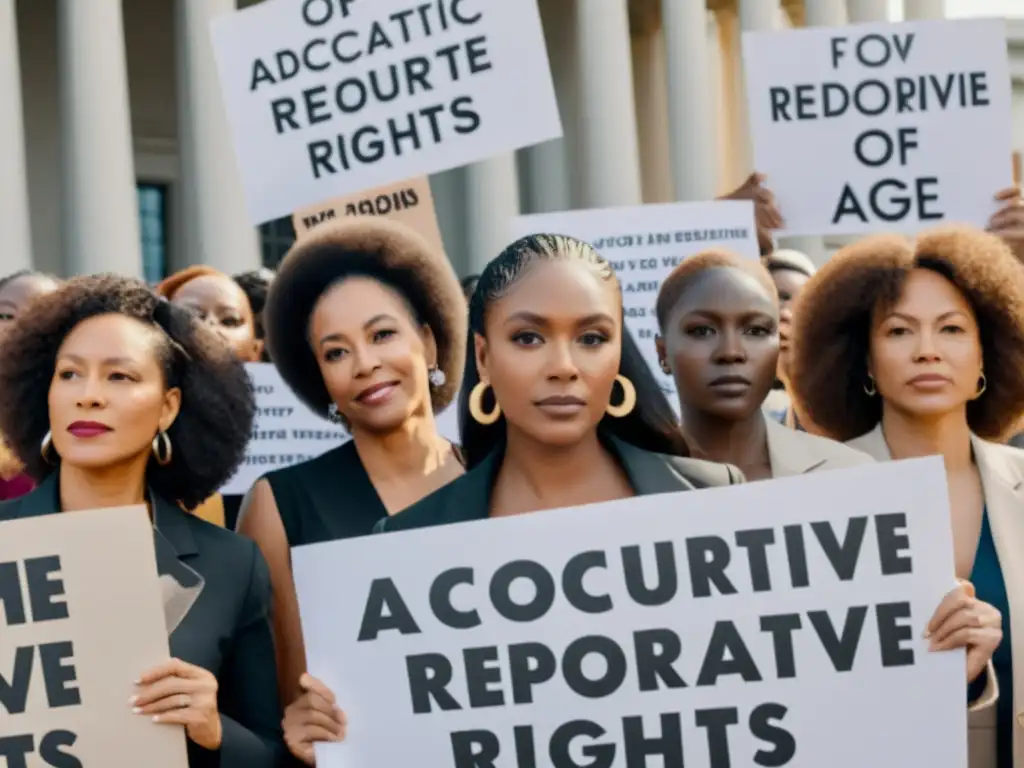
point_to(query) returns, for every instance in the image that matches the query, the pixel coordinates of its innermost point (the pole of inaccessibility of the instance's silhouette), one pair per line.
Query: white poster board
(777, 623)
(286, 432)
(880, 127)
(330, 97)
(644, 244)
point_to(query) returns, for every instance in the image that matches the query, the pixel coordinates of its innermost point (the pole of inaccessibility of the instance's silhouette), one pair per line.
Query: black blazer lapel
(173, 542)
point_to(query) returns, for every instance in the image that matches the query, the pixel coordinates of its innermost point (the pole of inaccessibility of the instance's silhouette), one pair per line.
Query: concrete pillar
(607, 162)
(917, 10)
(216, 226)
(101, 206)
(492, 201)
(860, 11)
(691, 103)
(14, 216)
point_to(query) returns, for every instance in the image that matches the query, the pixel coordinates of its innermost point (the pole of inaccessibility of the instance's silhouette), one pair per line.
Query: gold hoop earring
(45, 446)
(870, 389)
(162, 449)
(628, 399)
(476, 406)
(982, 386)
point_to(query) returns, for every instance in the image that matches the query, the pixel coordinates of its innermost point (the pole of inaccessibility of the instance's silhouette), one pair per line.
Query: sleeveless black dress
(327, 498)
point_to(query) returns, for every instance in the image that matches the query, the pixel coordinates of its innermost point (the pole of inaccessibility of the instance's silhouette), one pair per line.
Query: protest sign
(329, 97)
(81, 617)
(645, 243)
(408, 202)
(286, 432)
(875, 127)
(775, 623)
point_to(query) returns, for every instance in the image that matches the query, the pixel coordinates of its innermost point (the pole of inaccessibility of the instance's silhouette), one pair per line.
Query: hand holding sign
(1008, 221)
(766, 212)
(963, 621)
(176, 693)
(313, 717)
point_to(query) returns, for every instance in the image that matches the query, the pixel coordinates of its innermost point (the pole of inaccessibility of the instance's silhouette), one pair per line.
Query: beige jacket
(1002, 480)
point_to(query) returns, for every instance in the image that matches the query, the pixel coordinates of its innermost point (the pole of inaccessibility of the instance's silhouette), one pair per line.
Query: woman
(220, 302)
(913, 349)
(719, 319)
(365, 322)
(256, 284)
(109, 395)
(790, 270)
(16, 292)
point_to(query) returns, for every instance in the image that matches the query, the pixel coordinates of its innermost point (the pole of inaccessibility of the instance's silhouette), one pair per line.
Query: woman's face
(551, 351)
(925, 352)
(107, 398)
(789, 283)
(220, 302)
(373, 355)
(721, 344)
(18, 293)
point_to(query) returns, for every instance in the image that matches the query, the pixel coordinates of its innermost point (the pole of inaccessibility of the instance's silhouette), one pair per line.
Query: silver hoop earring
(870, 389)
(982, 386)
(163, 451)
(333, 414)
(436, 377)
(45, 446)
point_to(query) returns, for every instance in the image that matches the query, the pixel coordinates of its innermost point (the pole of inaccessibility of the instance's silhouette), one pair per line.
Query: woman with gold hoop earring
(558, 407)
(133, 387)
(719, 318)
(908, 348)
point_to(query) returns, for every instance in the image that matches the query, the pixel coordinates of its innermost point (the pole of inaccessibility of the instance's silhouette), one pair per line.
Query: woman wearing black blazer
(558, 407)
(112, 397)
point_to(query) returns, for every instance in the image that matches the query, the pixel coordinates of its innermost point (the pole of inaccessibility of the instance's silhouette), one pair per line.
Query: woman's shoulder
(847, 454)
(705, 474)
(464, 498)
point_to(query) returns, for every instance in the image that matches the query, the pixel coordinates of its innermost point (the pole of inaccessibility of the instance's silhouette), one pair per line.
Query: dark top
(327, 498)
(987, 577)
(232, 505)
(469, 497)
(226, 631)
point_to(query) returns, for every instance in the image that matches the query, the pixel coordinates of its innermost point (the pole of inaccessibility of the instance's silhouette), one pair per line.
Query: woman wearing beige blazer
(913, 349)
(719, 340)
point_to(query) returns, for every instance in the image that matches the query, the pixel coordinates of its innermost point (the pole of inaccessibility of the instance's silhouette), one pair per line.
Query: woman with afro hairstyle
(113, 397)
(916, 348)
(220, 302)
(367, 324)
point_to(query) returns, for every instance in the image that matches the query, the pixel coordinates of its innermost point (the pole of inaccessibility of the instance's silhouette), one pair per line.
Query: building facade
(115, 153)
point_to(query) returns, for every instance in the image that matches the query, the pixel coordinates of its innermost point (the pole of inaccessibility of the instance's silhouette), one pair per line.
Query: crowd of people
(117, 393)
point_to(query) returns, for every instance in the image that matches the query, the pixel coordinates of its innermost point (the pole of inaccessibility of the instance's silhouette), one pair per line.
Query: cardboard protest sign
(286, 432)
(776, 623)
(81, 617)
(329, 97)
(645, 243)
(875, 127)
(409, 202)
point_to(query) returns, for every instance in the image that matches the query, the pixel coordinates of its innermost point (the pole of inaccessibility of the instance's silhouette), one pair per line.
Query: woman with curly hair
(217, 300)
(17, 290)
(256, 284)
(113, 397)
(719, 320)
(367, 325)
(908, 349)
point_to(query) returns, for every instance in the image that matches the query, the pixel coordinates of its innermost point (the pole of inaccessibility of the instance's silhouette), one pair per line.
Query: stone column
(607, 162)
(14, 215)
(492, 201)
(101, 205)
(860, 11)
(216, 227)
(691, 103)
(916, 10)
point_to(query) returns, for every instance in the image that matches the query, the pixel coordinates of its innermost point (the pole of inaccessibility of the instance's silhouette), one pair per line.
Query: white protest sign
(330, 97)
(286, 432)
(777, 623)
(644, 244)
(878, 127)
